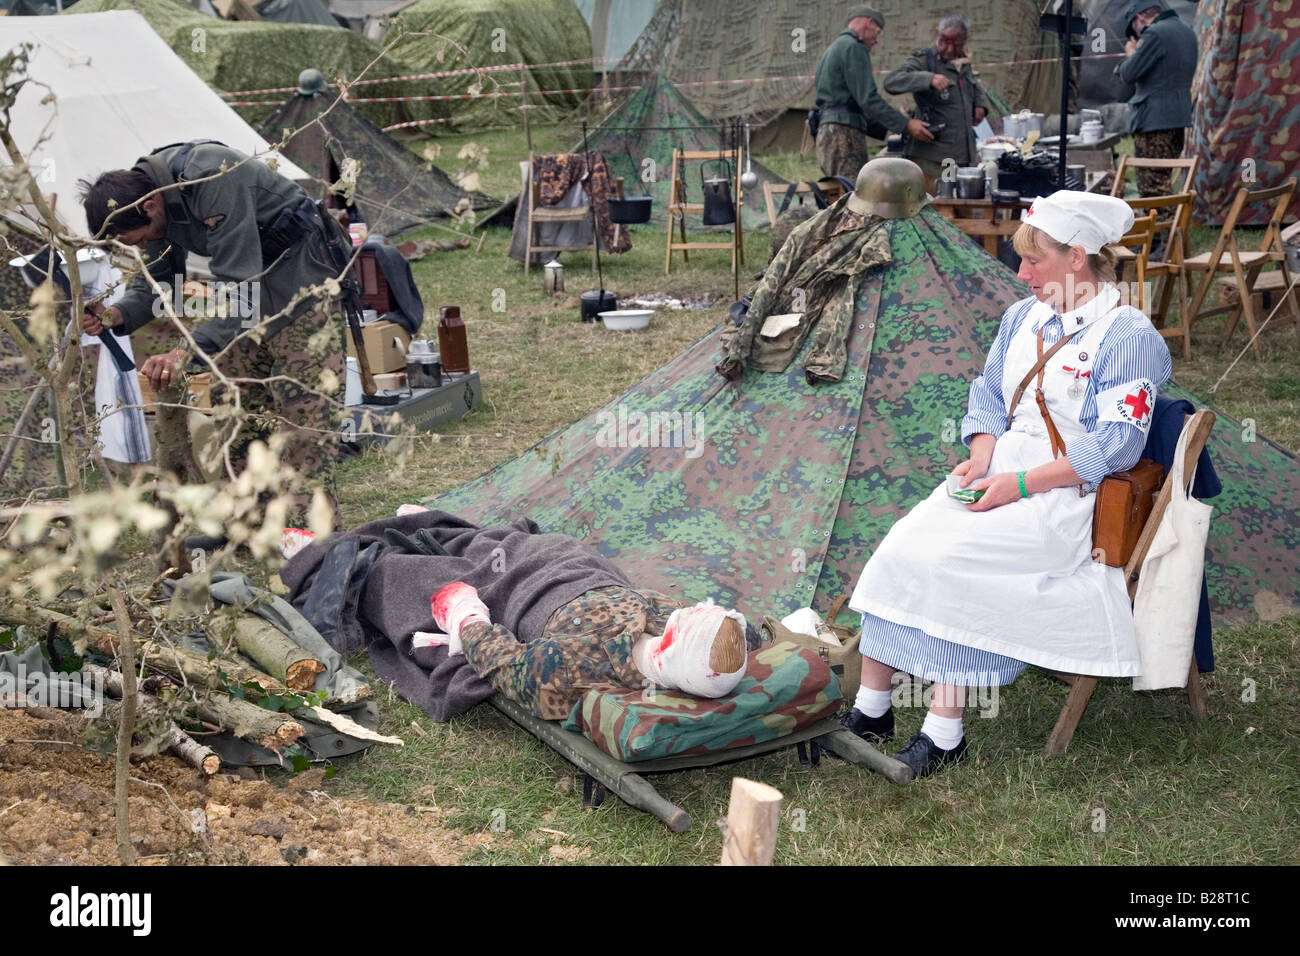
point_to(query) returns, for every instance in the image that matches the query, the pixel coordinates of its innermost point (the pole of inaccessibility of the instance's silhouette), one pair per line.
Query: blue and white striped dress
(970, 598)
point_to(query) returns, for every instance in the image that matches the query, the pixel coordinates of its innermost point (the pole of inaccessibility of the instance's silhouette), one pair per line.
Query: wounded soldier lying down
(540, 617)
(608, 636)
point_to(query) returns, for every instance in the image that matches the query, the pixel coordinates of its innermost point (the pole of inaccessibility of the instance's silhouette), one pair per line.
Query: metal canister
(553, 277)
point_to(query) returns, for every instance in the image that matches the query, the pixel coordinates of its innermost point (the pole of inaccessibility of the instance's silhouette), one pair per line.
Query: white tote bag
(1169, 587)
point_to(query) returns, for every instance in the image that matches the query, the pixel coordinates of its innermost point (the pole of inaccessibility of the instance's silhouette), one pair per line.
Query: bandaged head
(682, 657)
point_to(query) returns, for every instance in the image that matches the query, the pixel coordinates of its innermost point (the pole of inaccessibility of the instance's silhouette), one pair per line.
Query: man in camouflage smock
(814, 275)
(586, 644)
(266, 244)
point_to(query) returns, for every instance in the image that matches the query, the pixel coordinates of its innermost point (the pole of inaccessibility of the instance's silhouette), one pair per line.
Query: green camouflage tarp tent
(791, 486)
(236, 55)
(708, 49)
(486, 34)
(1246, 127)
(395, 191)
(648, 125)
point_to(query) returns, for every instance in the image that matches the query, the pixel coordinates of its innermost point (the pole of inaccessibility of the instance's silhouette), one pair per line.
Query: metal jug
(553, 277)
(719, 207)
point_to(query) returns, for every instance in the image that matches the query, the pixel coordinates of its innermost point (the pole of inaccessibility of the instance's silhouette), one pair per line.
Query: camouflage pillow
(786, 688)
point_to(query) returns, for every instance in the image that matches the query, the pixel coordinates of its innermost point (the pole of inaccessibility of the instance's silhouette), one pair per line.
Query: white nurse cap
(1080, 219)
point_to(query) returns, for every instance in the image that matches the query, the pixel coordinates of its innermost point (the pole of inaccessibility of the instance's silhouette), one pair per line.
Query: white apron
(1018, 580)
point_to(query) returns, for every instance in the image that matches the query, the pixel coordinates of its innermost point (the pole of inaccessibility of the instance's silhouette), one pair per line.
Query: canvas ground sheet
(794, 485)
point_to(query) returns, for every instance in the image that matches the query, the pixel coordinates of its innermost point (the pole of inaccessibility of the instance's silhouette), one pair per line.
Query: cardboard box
(380, 340)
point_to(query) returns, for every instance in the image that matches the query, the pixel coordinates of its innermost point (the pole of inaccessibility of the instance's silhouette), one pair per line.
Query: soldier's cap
(866, 10)
(1080, 219)
(1133, 9)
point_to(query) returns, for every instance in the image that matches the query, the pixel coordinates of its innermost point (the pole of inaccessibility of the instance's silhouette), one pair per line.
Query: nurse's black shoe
(924, 756)
(874, 730)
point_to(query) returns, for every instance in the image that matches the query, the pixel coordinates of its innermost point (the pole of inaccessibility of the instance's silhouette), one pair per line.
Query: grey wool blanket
(360, 589)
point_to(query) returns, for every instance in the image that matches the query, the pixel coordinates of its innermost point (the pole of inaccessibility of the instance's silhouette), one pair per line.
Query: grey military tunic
(957, 111)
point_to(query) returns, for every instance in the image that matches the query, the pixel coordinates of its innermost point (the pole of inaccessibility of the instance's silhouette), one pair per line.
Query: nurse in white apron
(969, 594)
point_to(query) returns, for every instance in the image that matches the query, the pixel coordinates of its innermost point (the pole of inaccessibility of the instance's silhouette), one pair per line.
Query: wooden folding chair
(1244, 266)
(1187, 167)
(1135, 249)
(1173, 220)
(678, 207)
(538, 214)
(1197, 427)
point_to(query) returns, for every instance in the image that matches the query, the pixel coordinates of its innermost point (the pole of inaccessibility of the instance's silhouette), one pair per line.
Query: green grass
(1173, 790)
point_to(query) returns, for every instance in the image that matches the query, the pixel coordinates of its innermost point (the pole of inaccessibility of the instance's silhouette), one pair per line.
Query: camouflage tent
(548, 35)
(1246, 115)
(235, 55)
(771, 494)
(648, 125)
(707, 49)
(395, 191)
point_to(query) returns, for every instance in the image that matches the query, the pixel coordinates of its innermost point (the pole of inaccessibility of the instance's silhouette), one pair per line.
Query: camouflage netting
(650, 124)
(395, 191)
(791, 486)
(745, 39)
(464, 34)
(243, 55)
(1245, 90)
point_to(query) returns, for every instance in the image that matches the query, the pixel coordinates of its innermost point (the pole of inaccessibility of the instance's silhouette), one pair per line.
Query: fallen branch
(254, 724)
(178, 742)
(273, 650)
(176, 662)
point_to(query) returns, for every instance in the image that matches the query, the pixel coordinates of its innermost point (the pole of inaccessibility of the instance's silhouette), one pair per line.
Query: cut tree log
(204, 759)
(276, 653)
(176, 662)
(255, 724)
(752, 820)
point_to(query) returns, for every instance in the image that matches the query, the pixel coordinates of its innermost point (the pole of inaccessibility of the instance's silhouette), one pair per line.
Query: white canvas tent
(120, 93)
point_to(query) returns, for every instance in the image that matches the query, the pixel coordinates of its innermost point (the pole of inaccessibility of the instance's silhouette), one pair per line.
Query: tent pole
(523, 105)
(1065, 91)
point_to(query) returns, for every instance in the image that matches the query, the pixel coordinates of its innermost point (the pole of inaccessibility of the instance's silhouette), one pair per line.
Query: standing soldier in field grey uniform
(849, 105)
(948, 98)
(266, 241)
(1160, 62)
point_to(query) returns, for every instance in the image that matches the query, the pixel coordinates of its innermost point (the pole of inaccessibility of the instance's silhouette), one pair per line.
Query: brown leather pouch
(1124, 502)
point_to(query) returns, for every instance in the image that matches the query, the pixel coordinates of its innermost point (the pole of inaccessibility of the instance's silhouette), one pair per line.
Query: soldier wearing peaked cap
(848, 105)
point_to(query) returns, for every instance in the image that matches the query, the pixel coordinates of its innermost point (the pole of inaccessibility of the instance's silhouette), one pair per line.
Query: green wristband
(1023, 492)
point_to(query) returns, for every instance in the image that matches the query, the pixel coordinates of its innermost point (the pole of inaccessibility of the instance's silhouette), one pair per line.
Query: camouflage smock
(586, 644)
(816, 273)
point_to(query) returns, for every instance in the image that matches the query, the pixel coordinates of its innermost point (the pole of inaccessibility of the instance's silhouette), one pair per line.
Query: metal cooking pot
(593, 302)
(630, 210)
(970, 182)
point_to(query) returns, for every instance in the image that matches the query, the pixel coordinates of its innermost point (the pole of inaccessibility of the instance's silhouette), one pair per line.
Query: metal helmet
(889, 187)
(310, 82)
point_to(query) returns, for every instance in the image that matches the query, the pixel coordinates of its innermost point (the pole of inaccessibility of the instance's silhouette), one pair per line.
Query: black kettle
(719, 207)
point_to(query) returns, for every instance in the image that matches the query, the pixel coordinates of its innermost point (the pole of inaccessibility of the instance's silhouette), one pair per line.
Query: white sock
(873, 703)
(946, 732)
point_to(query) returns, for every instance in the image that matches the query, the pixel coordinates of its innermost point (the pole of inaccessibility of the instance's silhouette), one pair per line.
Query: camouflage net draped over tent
(1248, 110)
(478, 34)
(784, 39)
(395, 191)
(781, 491)
(232, 56)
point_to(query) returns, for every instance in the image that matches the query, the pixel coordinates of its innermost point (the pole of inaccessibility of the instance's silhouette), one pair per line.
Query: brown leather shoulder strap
(1024, 382)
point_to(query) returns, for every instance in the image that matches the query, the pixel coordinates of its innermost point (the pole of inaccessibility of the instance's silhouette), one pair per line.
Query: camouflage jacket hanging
(814, 276)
